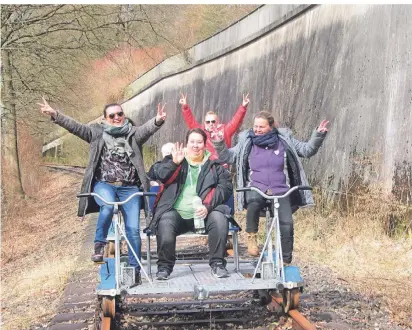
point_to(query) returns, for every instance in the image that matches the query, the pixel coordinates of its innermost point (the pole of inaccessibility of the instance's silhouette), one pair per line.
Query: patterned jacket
(93, 134)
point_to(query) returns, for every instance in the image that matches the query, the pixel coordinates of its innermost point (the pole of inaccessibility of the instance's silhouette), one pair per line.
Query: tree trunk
(10, 172)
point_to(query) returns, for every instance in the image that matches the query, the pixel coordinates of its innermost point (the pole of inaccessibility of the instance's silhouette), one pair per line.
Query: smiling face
(195, 146)
(115, 116)
(261, 126)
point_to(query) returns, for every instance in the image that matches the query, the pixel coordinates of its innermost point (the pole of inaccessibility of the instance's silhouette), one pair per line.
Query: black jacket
(214, 187)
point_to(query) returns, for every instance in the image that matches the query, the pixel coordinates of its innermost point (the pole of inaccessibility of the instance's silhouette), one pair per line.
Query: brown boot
(252, 247)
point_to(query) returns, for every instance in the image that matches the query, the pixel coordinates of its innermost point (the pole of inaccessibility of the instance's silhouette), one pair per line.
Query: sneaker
(219, 270)
(97, 256)
(163, 274)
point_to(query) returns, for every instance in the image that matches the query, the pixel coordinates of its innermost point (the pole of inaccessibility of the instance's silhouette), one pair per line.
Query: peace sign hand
(246, 100)
(47, 109)
(217, 134)
(161, 115)
(323, 126)
(183, 98)
(178, 153)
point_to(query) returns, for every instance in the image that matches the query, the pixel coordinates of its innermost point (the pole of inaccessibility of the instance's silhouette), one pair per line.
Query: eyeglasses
(210, 121)
(119, 114)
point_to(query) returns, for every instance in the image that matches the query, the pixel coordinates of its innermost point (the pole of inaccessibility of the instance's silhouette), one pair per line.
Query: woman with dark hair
(267, 158)
(115, 171)
(187, 178)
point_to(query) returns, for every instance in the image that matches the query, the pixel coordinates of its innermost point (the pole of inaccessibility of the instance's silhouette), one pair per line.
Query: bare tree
(43, 48)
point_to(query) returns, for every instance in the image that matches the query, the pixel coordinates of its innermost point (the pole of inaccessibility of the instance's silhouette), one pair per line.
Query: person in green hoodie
(195, 188)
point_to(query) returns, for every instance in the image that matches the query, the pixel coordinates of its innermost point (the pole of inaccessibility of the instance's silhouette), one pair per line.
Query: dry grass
(352, 237)
(356, 246)
(41, 239)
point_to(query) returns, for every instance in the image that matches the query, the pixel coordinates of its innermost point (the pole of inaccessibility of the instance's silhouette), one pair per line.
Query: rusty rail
(299, 322)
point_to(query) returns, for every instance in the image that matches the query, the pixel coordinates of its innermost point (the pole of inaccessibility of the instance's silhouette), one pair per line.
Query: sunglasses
(119, 114)
(210, 121)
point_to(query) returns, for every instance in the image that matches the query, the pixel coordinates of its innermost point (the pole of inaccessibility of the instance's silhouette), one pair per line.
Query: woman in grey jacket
(267, 158)
(115, 171)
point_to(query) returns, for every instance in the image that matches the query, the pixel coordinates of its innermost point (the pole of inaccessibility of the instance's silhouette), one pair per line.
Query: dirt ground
(41, 240)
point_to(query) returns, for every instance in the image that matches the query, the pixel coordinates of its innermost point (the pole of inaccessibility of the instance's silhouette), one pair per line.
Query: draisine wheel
(291, 299)
(109, 306)
(108, 313)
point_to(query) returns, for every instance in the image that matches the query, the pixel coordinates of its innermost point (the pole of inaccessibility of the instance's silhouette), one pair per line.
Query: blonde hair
(212, 113)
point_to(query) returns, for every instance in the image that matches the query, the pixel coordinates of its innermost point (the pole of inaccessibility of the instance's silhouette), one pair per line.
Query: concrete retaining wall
(350, 64)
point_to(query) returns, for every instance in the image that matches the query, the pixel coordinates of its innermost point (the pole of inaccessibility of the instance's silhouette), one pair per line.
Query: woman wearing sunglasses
(212, 122)
(115, 170)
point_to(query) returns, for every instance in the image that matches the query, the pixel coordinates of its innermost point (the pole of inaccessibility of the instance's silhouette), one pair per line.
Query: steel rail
(299, 322)
(191, 322)
(188, 311)
(188, 302)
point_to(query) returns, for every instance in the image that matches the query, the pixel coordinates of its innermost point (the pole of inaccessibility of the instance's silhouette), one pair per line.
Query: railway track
(80, 307)
(66, 168)
(230, 311)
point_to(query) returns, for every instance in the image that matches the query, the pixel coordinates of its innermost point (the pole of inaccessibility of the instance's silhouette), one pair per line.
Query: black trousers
(255, 204)
(171, 224)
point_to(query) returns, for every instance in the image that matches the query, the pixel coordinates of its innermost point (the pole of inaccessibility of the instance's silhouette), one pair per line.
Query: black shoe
(219, 270)
(97, 256)
(163, 274)
(137, 278)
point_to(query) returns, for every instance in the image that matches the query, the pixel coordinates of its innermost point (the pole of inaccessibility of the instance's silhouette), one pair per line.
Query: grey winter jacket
(93, 135)
(294, 149)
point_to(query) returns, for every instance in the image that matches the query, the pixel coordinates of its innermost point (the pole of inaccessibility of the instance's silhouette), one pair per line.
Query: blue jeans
(130, 212)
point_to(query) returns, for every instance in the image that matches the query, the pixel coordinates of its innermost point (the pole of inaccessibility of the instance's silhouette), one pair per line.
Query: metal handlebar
(139, 193)
(291, 190)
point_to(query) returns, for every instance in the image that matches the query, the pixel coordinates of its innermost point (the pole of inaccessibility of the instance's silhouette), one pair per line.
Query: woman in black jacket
(184, 179)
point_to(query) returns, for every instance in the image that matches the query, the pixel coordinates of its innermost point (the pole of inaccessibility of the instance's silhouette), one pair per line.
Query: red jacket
(229, 129)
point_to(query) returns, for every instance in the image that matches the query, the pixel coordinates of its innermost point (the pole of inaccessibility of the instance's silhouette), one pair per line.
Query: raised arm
(80, 130)
(187, 113)
(311, 147)
(234, 124)
(144, 132)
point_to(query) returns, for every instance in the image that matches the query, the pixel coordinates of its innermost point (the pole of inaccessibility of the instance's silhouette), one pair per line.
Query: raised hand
(183, 98)
(246, 100)
(161, 115)
(178, 153)
(323, 126)
(47, 109)
(217, 134)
